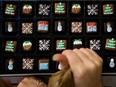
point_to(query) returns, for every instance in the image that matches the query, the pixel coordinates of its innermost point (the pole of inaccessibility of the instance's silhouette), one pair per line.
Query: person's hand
(85, 64)
(31, 82)
(5, 83)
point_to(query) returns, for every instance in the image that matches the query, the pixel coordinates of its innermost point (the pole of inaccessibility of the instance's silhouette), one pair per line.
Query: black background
(68, 17)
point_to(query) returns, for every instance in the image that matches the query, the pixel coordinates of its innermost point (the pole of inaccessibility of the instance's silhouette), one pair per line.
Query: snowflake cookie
(92, 9)
(28, 64)
(44, 9)
(76, 27)
(95, 44)
(27, 28)
(44, 45)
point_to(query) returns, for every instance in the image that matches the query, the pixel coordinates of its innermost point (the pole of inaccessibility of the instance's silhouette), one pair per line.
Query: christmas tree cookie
(76, 8)
(108, 9)
(27, 45)
(10, 9)
(27, 9)
(61, 44)
(11, 46)
(60, 8)
(110, 44)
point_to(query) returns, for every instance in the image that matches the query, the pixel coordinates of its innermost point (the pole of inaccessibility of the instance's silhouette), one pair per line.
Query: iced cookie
(27, 45)
(27, 9)
(11, 46)
(76, 8)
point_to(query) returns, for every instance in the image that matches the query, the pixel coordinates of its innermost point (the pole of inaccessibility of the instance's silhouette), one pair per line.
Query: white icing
(76, 6)
(27, 7)
(27, 44)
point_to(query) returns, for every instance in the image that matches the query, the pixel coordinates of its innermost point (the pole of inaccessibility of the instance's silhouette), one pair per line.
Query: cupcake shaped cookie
(27, 45)
(76, 8)
(27, 9)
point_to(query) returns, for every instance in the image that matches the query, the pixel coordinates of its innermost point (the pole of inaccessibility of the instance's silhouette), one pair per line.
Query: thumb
(62, 60)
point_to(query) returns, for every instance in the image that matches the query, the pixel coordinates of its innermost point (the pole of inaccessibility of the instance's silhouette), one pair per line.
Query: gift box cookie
(91, 27)
(43, 64)
(43, 26)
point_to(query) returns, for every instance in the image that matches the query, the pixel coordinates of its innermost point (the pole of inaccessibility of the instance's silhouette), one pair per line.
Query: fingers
(85, 65)
(31, 82)
(79, 58)
(99, 60)
(73, 60)
(63, 61)
(60, 58)
(95, 54)
(92, 56)
(82, 56)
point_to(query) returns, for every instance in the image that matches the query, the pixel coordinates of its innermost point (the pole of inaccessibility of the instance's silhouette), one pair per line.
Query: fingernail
(60, 66)
(53, 58)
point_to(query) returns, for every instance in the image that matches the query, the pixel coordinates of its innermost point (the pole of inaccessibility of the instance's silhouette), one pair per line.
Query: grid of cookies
(32, 31)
